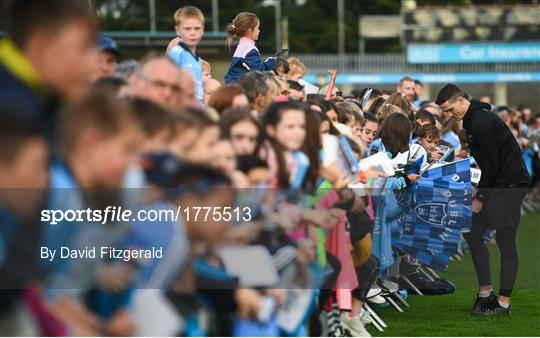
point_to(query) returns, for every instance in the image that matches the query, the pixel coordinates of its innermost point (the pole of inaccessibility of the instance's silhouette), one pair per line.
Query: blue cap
(108, 44)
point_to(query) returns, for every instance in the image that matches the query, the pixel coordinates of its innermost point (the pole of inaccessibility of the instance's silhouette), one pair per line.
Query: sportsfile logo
(110, 213)
(120, 214)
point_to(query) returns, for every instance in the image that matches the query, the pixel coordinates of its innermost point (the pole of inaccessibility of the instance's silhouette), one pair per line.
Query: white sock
(484, 294)
(504, 305)
(352, 317)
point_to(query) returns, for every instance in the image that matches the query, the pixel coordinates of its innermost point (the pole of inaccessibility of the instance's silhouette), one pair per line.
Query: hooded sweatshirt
(494, 148)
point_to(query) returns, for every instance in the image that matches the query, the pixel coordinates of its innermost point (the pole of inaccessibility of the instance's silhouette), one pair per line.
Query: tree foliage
(313, 26)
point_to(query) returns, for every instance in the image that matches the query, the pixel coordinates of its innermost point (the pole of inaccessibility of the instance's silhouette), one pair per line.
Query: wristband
(480, 196)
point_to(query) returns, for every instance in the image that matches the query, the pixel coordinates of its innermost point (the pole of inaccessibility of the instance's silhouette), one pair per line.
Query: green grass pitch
(449, 315)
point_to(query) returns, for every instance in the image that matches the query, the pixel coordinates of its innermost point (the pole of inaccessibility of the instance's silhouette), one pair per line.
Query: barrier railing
(397, 63)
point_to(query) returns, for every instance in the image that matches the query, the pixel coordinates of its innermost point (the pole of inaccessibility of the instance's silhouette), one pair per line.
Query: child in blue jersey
(246, 57)
(429, 137)
(190, 29)
(24, 175)
(99, 140)
(392, 138)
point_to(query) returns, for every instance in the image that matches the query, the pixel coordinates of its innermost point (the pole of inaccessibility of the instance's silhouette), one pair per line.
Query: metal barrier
(397, 63)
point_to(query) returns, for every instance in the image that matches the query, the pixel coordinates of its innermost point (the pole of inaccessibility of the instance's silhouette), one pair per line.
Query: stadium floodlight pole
(278, 24)
(215, 16)
(152, 6)
(285, 32)
(341, 26)
(278, 20)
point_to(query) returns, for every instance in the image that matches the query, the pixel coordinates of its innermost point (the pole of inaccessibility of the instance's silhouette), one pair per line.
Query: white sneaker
(377, 300)
(374, 296)
(354, 325)
(375, 291)
(387, 285)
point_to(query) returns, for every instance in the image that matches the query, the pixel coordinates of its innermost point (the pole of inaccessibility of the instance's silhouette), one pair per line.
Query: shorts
(501, 208)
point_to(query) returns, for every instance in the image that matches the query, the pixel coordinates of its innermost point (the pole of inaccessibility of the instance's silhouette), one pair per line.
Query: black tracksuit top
(494, 148)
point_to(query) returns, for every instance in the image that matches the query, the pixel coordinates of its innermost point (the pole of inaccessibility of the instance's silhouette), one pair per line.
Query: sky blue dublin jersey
(183, 57)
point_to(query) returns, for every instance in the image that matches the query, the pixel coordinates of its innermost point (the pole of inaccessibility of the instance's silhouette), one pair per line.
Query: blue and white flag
(382, 233)
(440, 211)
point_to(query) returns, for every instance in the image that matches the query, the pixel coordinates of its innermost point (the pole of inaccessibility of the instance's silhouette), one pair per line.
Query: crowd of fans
(81, 129)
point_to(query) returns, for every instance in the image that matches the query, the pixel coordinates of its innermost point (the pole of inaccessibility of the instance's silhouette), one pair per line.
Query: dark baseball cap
(161, 168)
(108, 44)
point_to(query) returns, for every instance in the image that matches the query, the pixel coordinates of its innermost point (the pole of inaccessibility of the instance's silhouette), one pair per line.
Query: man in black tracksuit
(497, 203)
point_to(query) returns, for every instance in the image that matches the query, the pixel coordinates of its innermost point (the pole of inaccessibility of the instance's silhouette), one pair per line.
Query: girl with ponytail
(246, 57)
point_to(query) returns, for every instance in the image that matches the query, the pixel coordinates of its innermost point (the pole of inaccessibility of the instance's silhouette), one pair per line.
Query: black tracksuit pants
(502, 201)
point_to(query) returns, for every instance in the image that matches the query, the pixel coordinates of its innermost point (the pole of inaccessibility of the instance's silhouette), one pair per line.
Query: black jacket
(494, 148)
